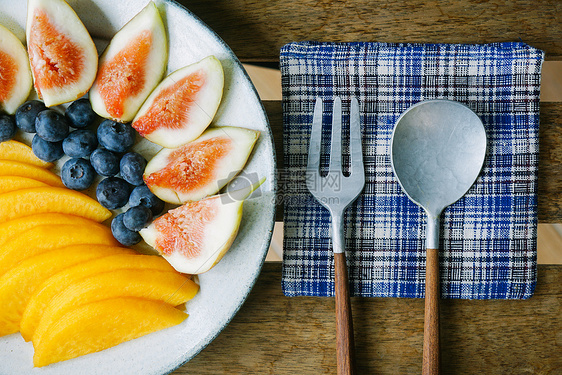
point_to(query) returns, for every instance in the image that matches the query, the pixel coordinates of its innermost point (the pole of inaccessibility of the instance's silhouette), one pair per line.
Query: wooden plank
(268, 81)
(551, 81)
(549, 244)
(273, 334)
(256, 30)
(550, 155)
(550, 161)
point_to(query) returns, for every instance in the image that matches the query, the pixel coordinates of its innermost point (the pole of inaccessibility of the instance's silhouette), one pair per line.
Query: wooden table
(273, 334)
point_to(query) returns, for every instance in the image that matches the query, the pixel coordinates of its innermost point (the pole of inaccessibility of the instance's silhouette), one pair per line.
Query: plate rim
(271, 141)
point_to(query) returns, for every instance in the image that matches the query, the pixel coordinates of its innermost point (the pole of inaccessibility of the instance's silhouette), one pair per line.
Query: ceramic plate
(223, 288)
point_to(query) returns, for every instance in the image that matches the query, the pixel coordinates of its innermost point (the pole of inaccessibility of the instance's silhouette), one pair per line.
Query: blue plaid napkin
(488, 243)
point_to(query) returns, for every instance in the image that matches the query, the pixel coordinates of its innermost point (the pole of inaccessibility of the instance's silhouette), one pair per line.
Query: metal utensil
(438, 148)
(336, 192)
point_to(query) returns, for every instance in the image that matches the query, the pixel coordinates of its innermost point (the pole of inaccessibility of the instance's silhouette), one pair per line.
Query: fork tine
(313, 165)
(355, 139)
(335, 150)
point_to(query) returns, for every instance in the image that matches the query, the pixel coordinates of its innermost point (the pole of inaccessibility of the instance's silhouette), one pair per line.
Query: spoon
(437, 151)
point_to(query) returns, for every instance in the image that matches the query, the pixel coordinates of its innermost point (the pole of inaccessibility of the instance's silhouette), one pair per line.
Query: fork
(336, 192)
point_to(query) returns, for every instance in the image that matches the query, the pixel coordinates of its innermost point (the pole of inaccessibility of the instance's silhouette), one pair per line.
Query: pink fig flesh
(200, 168)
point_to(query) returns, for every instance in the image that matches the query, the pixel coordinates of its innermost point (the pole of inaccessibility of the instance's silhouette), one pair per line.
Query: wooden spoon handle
(345, 348)
(431, 348)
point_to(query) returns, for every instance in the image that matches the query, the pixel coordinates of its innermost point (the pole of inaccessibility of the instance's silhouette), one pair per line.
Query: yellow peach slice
(11, 183)
(32, 201)
(18, 284)
(16, 168)
(40, 299)
(17, 151)
(47, 237)
(12, 228)
(169, 287)
(103, 324)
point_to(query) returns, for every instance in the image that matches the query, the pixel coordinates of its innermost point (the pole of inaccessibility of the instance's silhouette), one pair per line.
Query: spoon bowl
(437, 151)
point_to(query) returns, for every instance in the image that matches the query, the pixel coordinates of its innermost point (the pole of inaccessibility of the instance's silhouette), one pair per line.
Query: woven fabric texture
(488, 237)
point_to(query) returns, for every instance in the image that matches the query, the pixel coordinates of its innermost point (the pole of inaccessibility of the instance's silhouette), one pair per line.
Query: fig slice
(195, 236)
(183, 105)
(131, 66)
(62, 55)
(202, 167)
(15, 75)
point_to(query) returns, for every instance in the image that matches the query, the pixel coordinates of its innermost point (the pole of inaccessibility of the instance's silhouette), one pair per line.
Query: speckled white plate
(225, 287)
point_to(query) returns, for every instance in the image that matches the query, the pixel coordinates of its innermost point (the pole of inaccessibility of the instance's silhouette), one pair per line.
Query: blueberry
(132, 168)
(80, 143)
(141, 195)
(51, 125)
(80, 113)
(105, 162)
(7, 128)
(46, 151)
(116, 136)
(113, 192)
(137, 217)
(26, 114)
(77, 174)
(125, 236)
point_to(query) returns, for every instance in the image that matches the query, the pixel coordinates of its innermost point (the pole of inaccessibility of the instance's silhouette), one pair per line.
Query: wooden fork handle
(345, 347)
(431, 348)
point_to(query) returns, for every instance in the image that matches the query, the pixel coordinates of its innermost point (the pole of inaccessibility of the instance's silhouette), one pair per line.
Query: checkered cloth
(488, 238)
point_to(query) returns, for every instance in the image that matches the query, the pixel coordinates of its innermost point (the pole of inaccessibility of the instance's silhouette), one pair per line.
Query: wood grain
(256, 30)
(268, 81)
(550, 162)
(550, 158)
(549, 244)
(345, 346)
(431, 347)
(273, 334)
